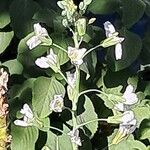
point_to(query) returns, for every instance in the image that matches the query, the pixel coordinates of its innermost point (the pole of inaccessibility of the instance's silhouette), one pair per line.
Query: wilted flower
(112, 39)
(28, 117)
(74, 136)
(76, 55)
(57, 103)
(130, 98)
(39, 34)
(50, 61)
(127, 126)
(71, 78)
(3, 81)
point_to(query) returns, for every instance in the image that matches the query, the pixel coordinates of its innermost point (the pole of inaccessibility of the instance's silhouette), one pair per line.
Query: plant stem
(54, 128)
(91, 90)
(90, 50)
(83, 124)
(61, 48)
(63, 76)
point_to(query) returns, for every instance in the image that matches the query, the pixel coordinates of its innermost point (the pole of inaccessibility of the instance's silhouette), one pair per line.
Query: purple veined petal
(33, 42)
(118, 51)
(109, 29)
(42, 62)
(21, 123)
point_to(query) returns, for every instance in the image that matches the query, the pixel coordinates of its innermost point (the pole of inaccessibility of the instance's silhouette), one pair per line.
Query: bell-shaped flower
(28, 117)
(40, 35)
(76, 55)
(112, 39)
(74, 136)
(57, 103)
(50, 61)
(130, 98)
(126, 127)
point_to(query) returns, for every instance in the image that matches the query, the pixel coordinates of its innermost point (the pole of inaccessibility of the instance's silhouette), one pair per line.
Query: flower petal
(21, 123)
(39, 30)
(33, 42)
(109, 29)
(118, 51)
(42, 62)
(127, 117)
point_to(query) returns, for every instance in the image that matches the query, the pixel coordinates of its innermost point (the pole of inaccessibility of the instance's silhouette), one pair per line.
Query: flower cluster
(127, 121)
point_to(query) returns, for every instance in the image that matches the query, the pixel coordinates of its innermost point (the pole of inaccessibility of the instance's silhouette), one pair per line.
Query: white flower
(28, 117)
(57, 103)
(74, 136)
(35, 40)
(76, 55)
(129, 95)
(130, 98)
(126, 127)
(49, 61)
(113, 39)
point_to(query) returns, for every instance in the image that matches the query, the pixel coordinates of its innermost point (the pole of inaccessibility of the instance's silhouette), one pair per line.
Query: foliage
(73, 63)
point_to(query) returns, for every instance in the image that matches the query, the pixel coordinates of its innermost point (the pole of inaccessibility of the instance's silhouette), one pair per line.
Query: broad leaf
(22, 12)
(5, 39)
(23, 138)
(86, 116)
(133, 10)
(144, 130)
(44, 90)
(4, 14)
(14, 66)
(103, 6)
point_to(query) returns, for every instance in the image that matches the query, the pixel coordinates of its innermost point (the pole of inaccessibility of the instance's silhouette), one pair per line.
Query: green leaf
(17, 90)
(141, 113)
(60, 40)
(147, 10)
(44, 90)
(111, 96)
(144, 130)
(86, 116)
(23, 138)
(126, 144)
(61, 142)
(14, 66)
(133, 10)
(132, 46)
(103, 6)
(22, 12)
(5, 39)
(4, 14)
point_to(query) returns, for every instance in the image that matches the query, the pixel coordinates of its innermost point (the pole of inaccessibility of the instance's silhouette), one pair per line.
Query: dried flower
(57, 103)
(74, 136)
(76, 55)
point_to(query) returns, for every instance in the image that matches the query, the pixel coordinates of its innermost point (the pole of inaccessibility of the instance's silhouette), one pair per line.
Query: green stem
(83, 124)
(91, 90)
(63, 76)
(61, 48)
(54, 128)
(90, 50)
